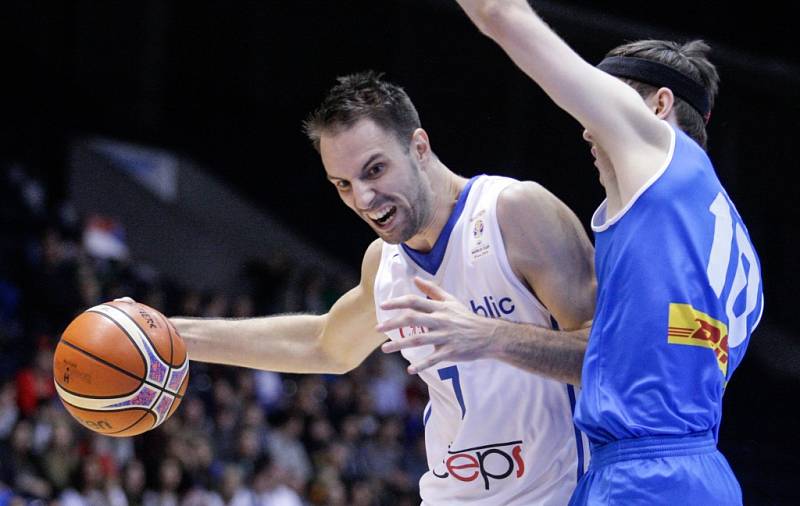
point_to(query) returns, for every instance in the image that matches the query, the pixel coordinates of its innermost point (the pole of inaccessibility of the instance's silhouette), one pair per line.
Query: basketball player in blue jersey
(500, 258)
(679, 284)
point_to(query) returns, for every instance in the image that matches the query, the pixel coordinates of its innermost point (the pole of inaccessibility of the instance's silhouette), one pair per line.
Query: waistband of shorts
(652, 447)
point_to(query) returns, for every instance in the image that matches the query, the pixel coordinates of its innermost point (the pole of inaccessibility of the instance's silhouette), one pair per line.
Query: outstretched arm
(335, 342)
(636, 142)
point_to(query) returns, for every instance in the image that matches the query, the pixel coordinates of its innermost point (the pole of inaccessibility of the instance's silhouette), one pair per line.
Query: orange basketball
(120, 368)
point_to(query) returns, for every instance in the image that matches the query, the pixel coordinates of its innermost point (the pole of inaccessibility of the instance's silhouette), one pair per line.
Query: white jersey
(494, 434)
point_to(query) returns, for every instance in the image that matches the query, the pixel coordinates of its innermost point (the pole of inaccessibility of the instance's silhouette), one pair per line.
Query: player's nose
(587, 136)
(363, 195)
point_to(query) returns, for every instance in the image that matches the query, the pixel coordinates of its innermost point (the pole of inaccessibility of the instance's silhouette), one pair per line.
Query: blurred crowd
(241, 437)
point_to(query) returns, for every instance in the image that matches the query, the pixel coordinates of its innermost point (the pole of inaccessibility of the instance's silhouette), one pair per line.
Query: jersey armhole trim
(650, 182)
(505, 265)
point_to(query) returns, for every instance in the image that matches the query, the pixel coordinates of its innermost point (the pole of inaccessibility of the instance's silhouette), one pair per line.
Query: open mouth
(383, 216)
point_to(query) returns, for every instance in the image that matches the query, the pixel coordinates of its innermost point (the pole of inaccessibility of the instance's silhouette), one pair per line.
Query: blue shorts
(672, 470)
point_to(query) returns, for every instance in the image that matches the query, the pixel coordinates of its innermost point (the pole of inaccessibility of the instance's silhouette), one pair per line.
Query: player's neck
(447, 187)
(613, 200)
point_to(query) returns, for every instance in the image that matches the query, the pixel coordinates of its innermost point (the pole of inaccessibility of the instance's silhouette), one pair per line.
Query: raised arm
(335, 342)
(616, 117)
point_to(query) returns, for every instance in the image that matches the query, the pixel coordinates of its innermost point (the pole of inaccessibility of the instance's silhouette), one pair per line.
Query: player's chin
(394, 232)
(391, 237)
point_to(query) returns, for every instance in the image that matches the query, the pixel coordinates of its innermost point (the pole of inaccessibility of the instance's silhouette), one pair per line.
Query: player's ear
(420, 145)
(662, 102)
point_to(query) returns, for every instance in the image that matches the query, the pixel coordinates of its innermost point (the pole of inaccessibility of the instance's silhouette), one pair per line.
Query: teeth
(380, 213)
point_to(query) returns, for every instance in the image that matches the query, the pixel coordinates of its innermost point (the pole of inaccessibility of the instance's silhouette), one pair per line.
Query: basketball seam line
(142, 381)
(116, 368)
(130, 338)
(146, 336)
(169, 372)
(106, 363)
(133, 341)
(147, 411)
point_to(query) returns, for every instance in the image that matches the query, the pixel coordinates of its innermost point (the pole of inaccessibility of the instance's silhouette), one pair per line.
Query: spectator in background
(217, 306)
(52, 284)
(20, 468)
(200, 494)
(243, 307)
(61, 458)
(317, 426)
(91, 487)
(284, 444)
(191, 303)
(363, 493)
(248, 449)
(200, 464)
(269, 487)
(388, 385)
(9, 410)
(384, 455)
(170, 481)
(196, 422)
(113, 452)
(134, 482)
(227, 407)
(268, 387)
(232, 487)
(319, 434)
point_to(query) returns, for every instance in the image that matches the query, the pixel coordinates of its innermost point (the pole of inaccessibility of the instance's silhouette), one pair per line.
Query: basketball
(121, 368)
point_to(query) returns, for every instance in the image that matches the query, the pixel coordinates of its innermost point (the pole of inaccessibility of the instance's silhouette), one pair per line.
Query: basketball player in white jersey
(494, 257)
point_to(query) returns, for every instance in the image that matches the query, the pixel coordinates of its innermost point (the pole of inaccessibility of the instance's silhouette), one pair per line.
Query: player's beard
(412, 212)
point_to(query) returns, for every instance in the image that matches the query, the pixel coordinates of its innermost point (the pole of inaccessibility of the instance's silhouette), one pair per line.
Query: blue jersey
(679, 293)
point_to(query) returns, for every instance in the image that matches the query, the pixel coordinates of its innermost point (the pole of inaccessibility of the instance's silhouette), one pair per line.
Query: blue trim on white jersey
(427, 413)
(571, 393)
(578, 438)
(431, 260)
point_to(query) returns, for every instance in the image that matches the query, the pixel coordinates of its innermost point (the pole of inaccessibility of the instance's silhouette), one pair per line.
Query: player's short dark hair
(364, 95)
(690, 59)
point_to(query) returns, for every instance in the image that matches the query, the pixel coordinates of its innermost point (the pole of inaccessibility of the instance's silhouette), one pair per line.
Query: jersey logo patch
(496, 461)
(691, 327)
(477, 246)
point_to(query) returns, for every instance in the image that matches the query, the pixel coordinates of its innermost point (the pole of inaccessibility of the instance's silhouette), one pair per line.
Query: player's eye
(375, 170)
(342, 185)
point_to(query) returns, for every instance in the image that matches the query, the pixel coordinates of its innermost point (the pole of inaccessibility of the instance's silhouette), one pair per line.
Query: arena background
(224, 86)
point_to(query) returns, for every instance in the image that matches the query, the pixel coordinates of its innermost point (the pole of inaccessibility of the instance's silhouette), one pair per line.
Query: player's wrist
(498, 338)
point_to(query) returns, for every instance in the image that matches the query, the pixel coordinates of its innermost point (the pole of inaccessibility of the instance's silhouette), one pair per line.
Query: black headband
(658, 74)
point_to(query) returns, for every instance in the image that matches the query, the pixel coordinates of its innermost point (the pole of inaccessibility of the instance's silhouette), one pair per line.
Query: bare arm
(459, 335)
(549, 250)
(616, 116)
(335, 342)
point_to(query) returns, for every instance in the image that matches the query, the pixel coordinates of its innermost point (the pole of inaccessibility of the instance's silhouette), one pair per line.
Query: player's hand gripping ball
(120, 368)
